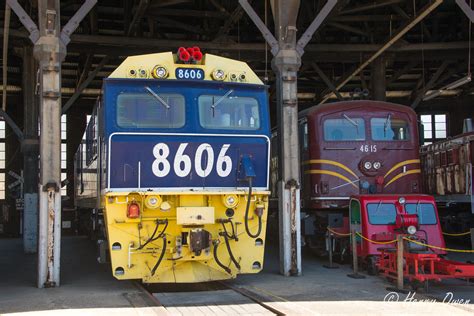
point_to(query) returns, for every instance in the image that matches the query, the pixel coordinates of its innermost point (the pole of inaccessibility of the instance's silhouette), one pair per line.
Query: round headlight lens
(401, 200)
(411, 230)
(159, 72)
(368, 165)
(230, 201)
(377, 165)
(218, 74)
(152, 202)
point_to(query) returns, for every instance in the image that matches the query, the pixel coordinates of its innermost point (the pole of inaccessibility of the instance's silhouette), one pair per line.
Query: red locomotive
(349, 148)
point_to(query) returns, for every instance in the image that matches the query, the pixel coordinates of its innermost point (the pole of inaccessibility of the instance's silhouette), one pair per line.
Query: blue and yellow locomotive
(176, 160)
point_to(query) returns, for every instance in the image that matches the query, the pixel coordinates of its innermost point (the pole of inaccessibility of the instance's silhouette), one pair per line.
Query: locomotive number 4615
(182, 163)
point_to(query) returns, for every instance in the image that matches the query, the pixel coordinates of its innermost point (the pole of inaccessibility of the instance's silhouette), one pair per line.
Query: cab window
(228, 112)
(388, 129)
(150, 110)
(426, 212)
(355, 212)
(382, 213)
(344, 129)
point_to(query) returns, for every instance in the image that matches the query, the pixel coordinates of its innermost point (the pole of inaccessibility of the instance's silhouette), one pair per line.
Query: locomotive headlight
(377, 165)
(230, 200)
(368, 165)
(153, 201)
(401, 200)
(411, 230)
(218, 74)
(159, 72)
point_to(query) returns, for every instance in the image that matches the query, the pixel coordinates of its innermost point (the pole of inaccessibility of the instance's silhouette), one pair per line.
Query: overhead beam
(399, 34)
(360, 8)
(430, 84)
(234, 17)
(84, 85)
(326, 80)
(400, 72)
(140, 11)
(466, 9)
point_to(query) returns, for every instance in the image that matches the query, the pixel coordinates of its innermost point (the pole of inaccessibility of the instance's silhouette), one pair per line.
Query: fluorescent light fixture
(432, 95)
(458, 83)
(451, 86)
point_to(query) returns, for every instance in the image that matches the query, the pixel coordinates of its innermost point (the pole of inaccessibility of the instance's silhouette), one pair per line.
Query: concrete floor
(89, 289)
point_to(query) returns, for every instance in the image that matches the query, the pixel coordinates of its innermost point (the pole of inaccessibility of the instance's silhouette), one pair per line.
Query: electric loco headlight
(159, 72)
(218, 74)
(153, 202)
(230, 201)
(411, 230)
(401, 200)
(377, 165)
(368, 165)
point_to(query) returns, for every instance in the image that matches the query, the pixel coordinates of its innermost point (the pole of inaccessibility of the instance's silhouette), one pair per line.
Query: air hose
(157, 264)
(229, 250)
(233, 236)
(246, 221)
(152, 237)
(219, 263)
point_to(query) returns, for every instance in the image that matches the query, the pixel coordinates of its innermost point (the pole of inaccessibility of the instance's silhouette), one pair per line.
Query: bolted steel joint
(49, 49)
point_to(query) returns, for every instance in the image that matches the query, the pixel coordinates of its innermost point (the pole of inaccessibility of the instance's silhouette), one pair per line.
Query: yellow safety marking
(456, 235)
(336, 233)
(398, 176)
(400, 164)
(376, 242)
(330, 162)
(436, 247)
(331, 173)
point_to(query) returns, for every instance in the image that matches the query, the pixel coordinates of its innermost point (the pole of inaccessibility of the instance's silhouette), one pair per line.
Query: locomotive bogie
(177, 242)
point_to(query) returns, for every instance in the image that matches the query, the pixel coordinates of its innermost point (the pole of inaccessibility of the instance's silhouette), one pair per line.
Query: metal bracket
(51, 185)
(25, 20)
(318, 20)
(73, 23)
(271, 40)
(466, 9)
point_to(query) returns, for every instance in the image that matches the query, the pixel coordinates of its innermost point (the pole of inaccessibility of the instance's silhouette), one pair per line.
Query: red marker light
(197, 55)
(133, 210)
(183, 54)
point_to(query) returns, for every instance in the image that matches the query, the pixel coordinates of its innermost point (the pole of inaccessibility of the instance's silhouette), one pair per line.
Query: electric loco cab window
(228, 112)
(388, 129)
(344, 129)
(382, 213)
(153, 110)
(426, 212)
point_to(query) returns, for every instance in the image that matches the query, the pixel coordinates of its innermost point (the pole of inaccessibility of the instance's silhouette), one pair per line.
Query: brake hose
(246, 221)
(233, 236)
(162, 232)
(219, 263)
(163, 250)
(229, 250)
(151, 237)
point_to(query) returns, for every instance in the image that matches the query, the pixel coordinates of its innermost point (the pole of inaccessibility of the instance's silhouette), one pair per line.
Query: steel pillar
(50, 52)
(378, 81)
(286, 63)
(30, 153)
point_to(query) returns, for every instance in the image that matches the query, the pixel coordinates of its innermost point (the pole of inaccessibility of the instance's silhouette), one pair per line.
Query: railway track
(213, 298)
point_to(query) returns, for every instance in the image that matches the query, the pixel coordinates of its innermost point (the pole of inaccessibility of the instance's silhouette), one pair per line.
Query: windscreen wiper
(386, 124)
(156, 96)
(350, 120)
(213, 106)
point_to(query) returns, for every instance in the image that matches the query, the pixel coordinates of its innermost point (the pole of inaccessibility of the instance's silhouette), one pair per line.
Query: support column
(379, 86)
(30, 153)
(50, 52)
(286, 64)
